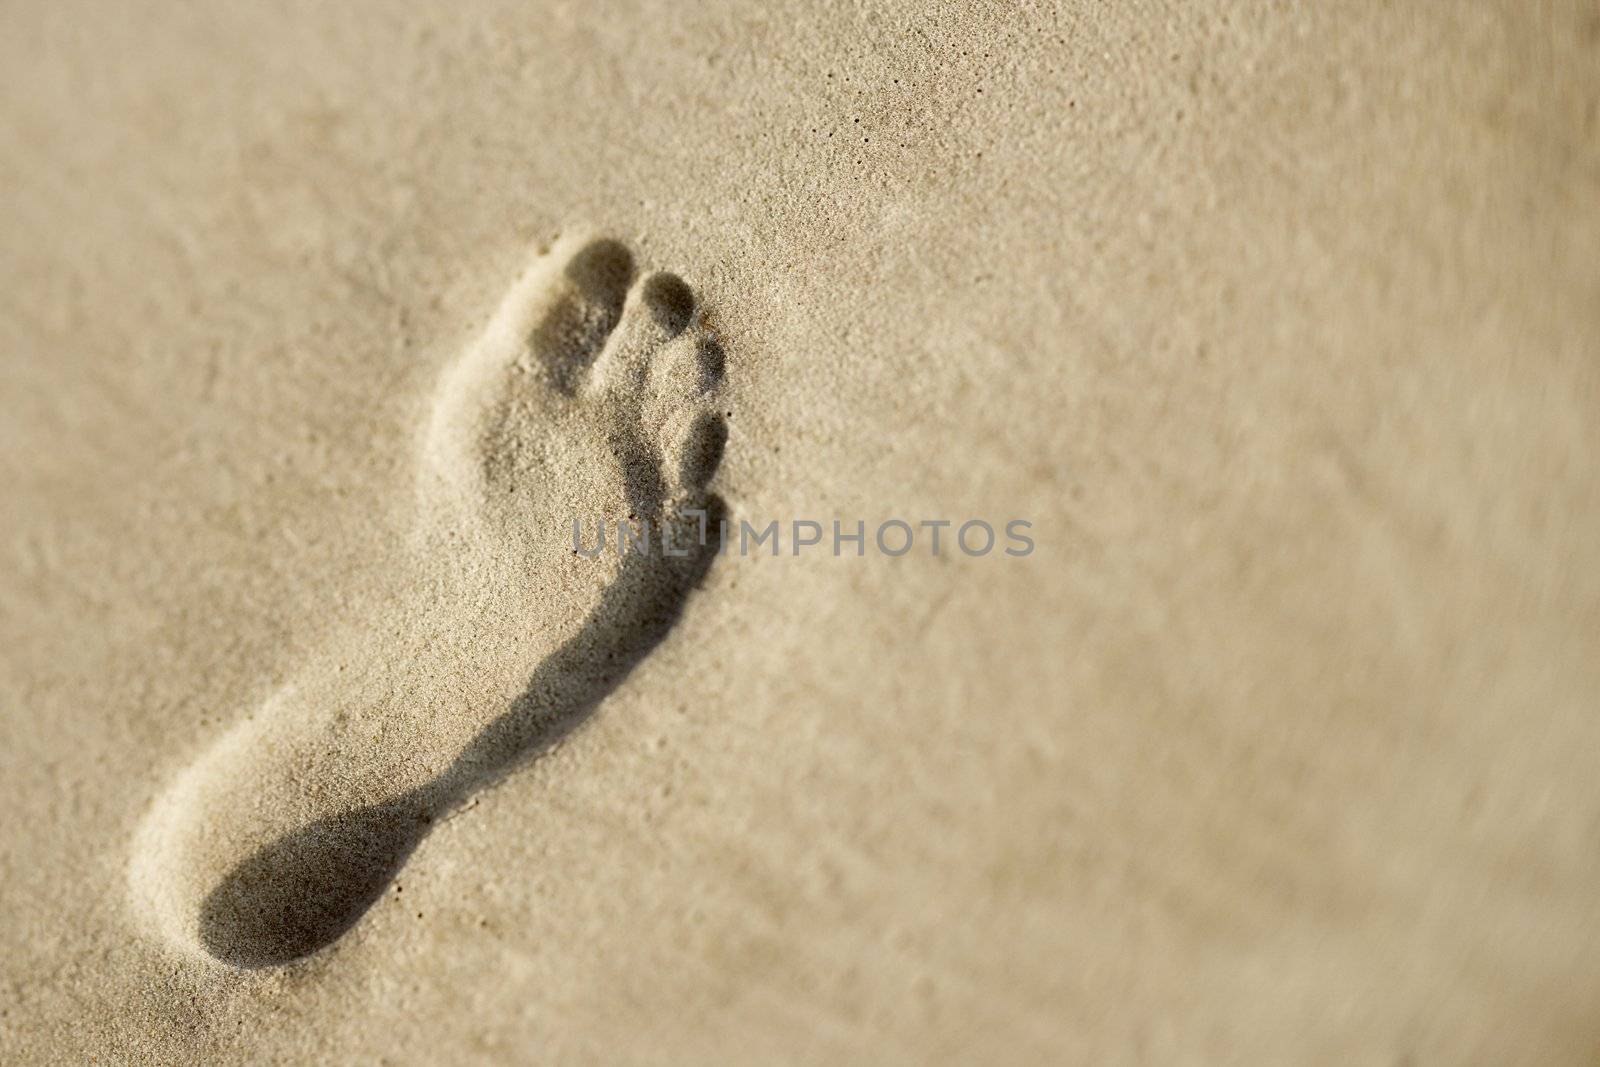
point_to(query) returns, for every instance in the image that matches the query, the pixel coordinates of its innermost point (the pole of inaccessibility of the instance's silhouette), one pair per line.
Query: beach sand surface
(1280, 325)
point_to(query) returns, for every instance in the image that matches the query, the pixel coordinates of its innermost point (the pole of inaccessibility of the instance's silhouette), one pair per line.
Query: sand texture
(1278, 324)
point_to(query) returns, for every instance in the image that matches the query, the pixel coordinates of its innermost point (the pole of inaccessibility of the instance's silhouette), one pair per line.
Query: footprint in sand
(587, 396)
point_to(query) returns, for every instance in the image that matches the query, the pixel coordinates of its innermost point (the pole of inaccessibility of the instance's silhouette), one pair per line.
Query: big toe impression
(577, 326)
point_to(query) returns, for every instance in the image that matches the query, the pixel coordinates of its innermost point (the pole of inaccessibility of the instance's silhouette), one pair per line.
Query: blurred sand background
(1281, 323)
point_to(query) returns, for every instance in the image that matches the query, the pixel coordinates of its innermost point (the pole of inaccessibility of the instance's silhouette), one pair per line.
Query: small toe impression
(700, 453)
(575, 330)
(670, 301)
(713, 362)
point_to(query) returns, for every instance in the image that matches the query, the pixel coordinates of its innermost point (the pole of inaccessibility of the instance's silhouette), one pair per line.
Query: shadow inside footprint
(307, 888)
(302, 891)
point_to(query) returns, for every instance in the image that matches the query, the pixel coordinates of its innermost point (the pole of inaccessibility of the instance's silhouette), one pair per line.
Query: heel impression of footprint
(589, 393)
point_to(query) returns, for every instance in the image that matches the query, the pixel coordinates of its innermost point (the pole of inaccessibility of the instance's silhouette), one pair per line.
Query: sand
(1278, 326)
